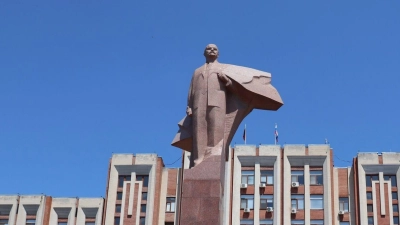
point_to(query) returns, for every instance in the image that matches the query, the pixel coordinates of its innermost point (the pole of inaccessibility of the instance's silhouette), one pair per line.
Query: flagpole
(276, 127)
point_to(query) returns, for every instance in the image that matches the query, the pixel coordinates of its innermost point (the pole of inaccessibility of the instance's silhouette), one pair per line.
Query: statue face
(211, 51)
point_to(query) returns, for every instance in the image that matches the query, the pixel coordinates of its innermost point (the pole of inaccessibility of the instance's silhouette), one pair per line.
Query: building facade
(266, 184)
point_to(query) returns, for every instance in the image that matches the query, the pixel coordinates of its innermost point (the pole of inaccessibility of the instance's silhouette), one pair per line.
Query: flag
(244, 134)
(276, 133)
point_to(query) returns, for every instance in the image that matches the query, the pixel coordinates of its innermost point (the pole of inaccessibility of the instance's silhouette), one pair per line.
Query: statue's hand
(188, 111)
(224, 79)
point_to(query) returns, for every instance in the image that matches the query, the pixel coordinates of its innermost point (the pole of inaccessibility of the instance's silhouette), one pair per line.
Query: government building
(266, 184)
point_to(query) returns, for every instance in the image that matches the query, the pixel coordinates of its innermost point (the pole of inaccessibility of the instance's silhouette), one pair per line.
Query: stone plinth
(201, 193)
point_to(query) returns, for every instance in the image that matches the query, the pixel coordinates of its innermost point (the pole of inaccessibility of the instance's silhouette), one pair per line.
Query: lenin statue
(220, 97)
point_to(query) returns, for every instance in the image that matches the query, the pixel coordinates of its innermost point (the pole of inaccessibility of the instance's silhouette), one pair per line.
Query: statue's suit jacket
(206, 89)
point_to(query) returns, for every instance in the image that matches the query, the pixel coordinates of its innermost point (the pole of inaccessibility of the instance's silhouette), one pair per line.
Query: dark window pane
(370, 220)
(263, 203)
(386, 177)
(142, 221)
(394, 195)
(301, 179)
(395, 220)
(369, 195)
(119, 195)
(394, 181)
(118, 208)
(143, 208)
(368, 181)
(146, 181)
(144, 196)
(370, 208)
(120, 181)
(375, 177)
(116, 221)
(395, 208)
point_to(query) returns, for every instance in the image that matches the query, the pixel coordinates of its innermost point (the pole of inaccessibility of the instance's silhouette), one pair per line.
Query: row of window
(33, 222)
(143, 178)
(267, 177)
(142, 220)
(394, 195)
(292, 222)
(370, 178)
(370, 208)
(371, 220)
(297, 201)
(119, 195)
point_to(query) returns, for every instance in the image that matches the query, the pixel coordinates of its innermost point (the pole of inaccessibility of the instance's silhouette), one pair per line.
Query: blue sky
(80, 80)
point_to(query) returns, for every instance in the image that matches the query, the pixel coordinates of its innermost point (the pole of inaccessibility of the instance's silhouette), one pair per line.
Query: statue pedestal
(202, 193)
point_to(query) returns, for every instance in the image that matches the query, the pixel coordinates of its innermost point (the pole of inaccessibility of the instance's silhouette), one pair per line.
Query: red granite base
(201, 193)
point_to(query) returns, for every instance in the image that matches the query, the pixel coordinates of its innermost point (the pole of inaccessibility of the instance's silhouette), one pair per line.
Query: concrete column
(237, 180)
(307, 204)
(326, 171)
(227, 190)
(257, 194)
(335, 195)
(277, 189)
(163, 196)
(362, 197)
(382, 193)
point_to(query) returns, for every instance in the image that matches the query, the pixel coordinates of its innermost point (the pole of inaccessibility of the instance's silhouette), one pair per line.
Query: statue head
(211, 52)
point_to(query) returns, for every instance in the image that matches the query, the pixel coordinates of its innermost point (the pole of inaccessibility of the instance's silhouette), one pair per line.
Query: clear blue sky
(80, 80)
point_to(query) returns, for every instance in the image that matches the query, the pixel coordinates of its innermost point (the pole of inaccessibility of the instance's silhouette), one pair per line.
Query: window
(316, 177)
(266, 222)
(170, 205)
(119, 195)
(90, 223)
(395, 208)
(247, 201)
(266, 201)
(394, 195)
(317, 201)
(297, 201)
(316, 222)
(370, 220)
(248, 177)
(298, 176)
(295, 222)
(369, 195)
(169, 223)
(246, 222)
(344, 204)
(392, 179)
(344, 223)
(395, 220)
(3, 222)
(142, 221)
(118, 208)
(143, 208)
(116, 220)
(144, 178)
(370, 208)
(62, 223)
(144, 196)
(267, 177)
(123, 178)
(370, 178)
(30, 222)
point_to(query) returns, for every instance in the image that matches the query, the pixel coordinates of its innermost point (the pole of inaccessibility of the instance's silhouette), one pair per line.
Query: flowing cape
(252, 89)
